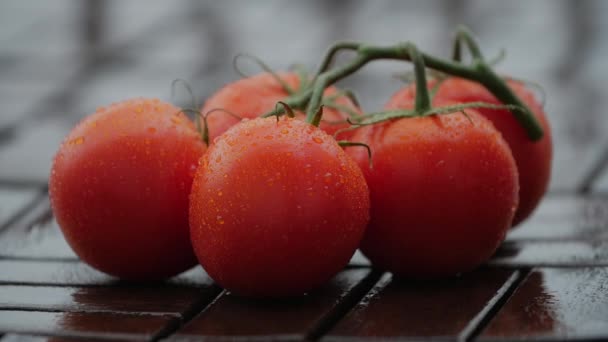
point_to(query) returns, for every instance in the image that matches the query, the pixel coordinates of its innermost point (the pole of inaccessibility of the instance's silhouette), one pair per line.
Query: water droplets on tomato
(76, 141)
(192, 170)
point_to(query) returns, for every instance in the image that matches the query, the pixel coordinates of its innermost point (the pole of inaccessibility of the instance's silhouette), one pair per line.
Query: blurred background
(61, 59)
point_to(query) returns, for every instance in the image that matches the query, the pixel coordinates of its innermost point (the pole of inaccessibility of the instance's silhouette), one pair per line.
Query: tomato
(254, 96)
(119, 189)
(277, 208)
(443, 193)
(533, 158)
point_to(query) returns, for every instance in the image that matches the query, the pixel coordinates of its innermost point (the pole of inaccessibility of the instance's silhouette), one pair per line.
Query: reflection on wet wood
(67, 324)
(294, 318)
(422, 309)
(554, 304)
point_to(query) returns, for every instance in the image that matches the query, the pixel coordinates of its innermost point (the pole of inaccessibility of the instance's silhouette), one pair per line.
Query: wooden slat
(401, 308)
(565, 217)
(296, 318)
(553, 253)
(77, 324)
(12, 201)
(143, 299)
(29, 156)
(36, 238)
(51, 272)
(555, 304)
(359, 260)
(32, 338)
(75, 273)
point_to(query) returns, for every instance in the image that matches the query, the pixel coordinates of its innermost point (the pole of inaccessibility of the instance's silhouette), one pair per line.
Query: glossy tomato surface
(533, 158)
(443, 193)
(119, 189)
(277, 208)
(254, 96)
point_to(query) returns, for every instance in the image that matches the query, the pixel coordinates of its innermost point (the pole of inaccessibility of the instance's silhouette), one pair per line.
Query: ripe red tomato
(533, 158)
(443, 193)
(254, 96)
(277, 208)
(119, 189)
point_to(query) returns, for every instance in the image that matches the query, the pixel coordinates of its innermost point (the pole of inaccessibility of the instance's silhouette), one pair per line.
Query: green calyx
(297, 99)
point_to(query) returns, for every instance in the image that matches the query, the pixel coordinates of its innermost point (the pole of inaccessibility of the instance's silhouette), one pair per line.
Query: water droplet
(176, 120)
(151, 129)
(219, 193)
(139, 110)
(220, 220)
(76, 141)
(317, 140)
(285, 131)
(268, 137)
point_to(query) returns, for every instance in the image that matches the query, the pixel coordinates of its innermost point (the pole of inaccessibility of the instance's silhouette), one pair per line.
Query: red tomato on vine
(443, 192)
(256, 95)
(119, 189)
(533, 158)
(277, 208)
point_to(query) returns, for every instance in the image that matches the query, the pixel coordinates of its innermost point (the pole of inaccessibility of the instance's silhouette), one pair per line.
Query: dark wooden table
(60, 60)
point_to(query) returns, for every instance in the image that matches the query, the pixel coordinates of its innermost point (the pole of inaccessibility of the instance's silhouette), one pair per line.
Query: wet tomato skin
(256, 95)
(277, 208)
(443, 193)
(533, 158)
(119, 189)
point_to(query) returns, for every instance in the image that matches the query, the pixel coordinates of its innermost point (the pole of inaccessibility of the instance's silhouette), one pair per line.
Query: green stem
(479, 72)
(331, 54)
(463, 34)
(423, 100)
(456, 49)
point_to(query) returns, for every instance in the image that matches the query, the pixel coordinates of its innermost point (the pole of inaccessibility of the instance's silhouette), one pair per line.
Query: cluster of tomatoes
(275, 206)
